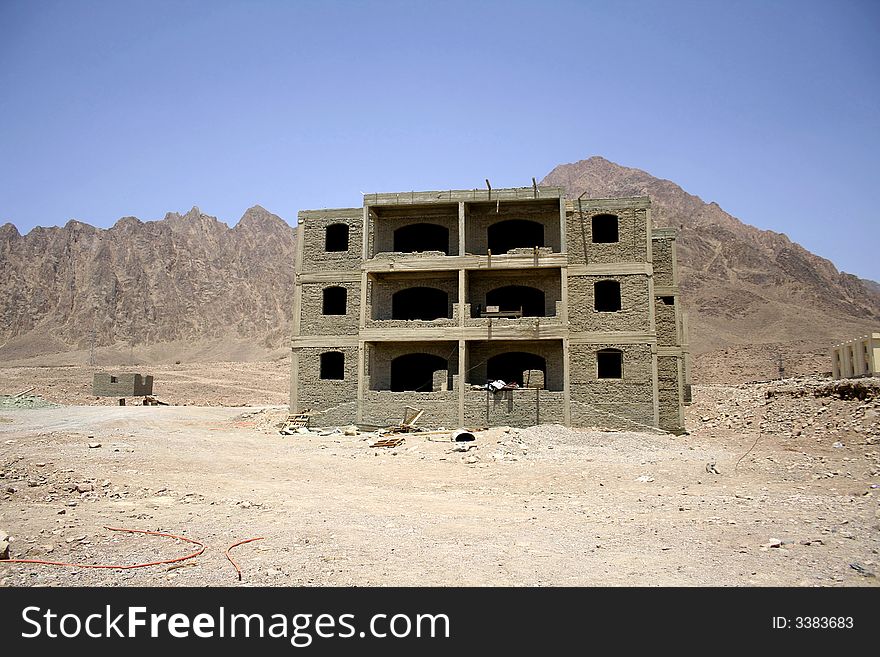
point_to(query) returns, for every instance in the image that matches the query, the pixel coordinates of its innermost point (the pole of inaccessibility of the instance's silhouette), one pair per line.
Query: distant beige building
(859, 357)
(424, 298)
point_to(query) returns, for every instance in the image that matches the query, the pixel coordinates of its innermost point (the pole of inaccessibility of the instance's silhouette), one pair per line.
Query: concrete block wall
(666, 323)
(635, 304)
(669, 377)
(597, 402)
(380, 354)
(632, 245)
(314, 322)
(314, 255)
(479, 352)
(549, 281)
(124, 384)
(479, 217)
(386, 408)
(320, 394)
(662, 250)
(525, 407)
(381, 238)
(381, 289)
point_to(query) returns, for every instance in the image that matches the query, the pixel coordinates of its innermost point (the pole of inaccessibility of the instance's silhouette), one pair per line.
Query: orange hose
(137, 565)
(232, 561)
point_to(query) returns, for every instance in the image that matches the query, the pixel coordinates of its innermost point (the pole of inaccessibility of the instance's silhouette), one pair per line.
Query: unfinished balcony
(513, 303)
(419, 374)
(413, 232)
(412, 301)
(505, 229)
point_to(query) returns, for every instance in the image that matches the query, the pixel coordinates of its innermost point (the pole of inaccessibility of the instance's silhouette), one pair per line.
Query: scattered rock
(84, 488)
(645, 479)
(94, 445)
(5, 540)
(861, 570)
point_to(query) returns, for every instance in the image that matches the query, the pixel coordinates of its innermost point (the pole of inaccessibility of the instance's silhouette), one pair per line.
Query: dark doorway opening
(607, 296)
(334, 302)
(421, 237)
(510, 366)
(514, 297)
(609, 364)
(605, 229)
(515, 234)
(332, 365)
(336, 237)
(415, 372)
(425, 303)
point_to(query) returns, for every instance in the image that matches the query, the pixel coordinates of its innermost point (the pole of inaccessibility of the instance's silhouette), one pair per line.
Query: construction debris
(295, 422)
(389, 442)
(24, 400)
(462, 436)
(410, 417)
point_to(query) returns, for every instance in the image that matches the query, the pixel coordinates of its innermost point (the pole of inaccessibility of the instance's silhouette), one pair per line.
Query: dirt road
(541, 506)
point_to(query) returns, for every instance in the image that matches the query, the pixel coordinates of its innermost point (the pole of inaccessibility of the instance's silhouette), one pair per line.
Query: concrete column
(462, 379)
(294, 380)
(359, 416)
(835, 362)
(566, 387)
(655, 385)
(563, 232)
(462, 295)
(563, 295)
(297, 319)
(365, 243)
(461, 229)
(365, 286)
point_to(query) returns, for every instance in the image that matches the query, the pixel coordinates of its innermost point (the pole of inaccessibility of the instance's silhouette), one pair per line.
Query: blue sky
(110, 109)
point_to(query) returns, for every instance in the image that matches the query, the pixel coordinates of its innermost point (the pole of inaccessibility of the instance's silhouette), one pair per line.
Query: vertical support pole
(462, 296)
(462, 379)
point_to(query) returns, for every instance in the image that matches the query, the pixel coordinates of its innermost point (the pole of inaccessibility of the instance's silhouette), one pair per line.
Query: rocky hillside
(162, 285)
(190, 288)
(752, 295)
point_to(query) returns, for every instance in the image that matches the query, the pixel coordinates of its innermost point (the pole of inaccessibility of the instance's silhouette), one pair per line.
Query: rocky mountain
(161, 286)
(752, 295)
(189, 287)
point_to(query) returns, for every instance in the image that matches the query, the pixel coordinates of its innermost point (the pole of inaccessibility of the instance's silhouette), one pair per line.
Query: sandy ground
(539, 506)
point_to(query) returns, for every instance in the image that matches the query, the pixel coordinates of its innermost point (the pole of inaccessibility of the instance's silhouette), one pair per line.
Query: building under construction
(488, 307)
